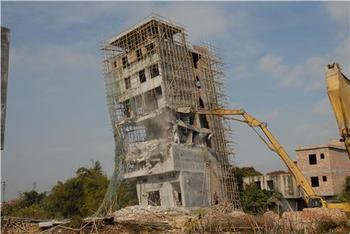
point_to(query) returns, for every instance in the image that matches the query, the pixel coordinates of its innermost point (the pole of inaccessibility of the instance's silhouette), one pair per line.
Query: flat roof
(331, 144)
(148, 19)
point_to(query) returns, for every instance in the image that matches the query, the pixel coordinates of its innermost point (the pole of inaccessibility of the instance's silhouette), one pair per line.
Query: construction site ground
(218, 219)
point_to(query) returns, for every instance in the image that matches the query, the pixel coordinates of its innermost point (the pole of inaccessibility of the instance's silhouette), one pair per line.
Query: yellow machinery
(338, 89)
(308, 194)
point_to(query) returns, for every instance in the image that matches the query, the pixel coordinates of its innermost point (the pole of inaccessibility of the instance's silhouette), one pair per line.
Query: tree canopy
(79, 196)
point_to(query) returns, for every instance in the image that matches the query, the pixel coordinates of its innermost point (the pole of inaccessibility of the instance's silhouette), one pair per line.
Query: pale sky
(275, 56)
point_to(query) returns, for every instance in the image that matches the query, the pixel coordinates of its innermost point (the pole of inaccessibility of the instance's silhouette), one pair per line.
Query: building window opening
(154, 198)
(258, 184)
(127, 82)
(125, 62)
(312, 159)
(203, 121)
(154, 71)
(195, 59)
(324, 178)
(270, 185)
(150, 48)
(201, 103)
(115, 64)
(322, 155)
(127, 108)
(314, 181)
(142, 76)
(139, 55)
(179, 198)
(159, 92)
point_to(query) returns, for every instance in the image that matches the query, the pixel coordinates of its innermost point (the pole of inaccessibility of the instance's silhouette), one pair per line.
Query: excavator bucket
(338, 89)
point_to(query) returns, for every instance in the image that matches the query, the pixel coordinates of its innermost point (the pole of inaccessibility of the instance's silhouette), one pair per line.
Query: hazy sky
(275, 56)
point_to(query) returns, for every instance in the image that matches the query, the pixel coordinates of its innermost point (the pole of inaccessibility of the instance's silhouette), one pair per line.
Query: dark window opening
(322, 155)
(127, 108)
(127, 82)
(150, 48)
(115, 64)
(195, 59)
(258, 184)
(153, 198)
(314, 181)
(198, 83)
(184, 134)
(154, 70)
(179, 198)
(201, 103)
(324, 178)
(159, 92)
(125, 62)
(270, 185)
(139, 54)
(142, 76)
(312, 159)
(203, 121)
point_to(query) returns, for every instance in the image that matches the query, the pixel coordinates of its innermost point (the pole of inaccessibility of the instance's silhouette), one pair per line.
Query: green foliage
(78, 196)
(345, 195)
(240, 173)
(76, 221)
(28, 204)
(254, 199)
(127, 195)
(35, 211)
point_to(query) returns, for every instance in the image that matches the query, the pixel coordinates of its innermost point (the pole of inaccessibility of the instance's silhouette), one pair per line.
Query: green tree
(127, 195)
(80, 195)
(345, 195)
(254, 199)
(241, 172)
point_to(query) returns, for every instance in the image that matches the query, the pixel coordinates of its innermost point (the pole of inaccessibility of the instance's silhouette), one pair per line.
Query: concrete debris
(148, 213)
(153, 149)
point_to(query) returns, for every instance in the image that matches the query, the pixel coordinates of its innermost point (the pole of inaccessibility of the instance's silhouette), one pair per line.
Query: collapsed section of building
(177, 158)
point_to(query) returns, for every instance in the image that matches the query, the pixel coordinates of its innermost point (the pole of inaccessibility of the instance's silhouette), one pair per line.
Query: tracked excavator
(338, 89)
(310, 197)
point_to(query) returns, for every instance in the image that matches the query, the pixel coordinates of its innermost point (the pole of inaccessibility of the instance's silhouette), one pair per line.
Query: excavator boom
(308, 193)
(338, 89)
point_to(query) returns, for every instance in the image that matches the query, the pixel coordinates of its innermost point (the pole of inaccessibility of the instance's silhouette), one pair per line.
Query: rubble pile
(217, 219)
(148, 213)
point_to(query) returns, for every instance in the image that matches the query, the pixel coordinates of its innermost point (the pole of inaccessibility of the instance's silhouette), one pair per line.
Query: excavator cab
(316, 202)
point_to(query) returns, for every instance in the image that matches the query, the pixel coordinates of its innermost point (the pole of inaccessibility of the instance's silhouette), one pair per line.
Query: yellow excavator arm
(308, 194)
(338, 89)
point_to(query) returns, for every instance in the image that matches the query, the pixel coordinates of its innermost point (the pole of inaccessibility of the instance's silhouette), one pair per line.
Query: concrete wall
(283, 183)
(191, 171)
(163, 184)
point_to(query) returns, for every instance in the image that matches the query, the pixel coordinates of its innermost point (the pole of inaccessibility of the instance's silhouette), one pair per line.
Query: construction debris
(217, 219)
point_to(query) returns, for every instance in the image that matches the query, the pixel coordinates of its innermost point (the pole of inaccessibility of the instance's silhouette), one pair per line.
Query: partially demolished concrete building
(178, 158)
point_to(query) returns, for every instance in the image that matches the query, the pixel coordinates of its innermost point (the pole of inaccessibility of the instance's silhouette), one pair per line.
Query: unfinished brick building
(325, 166)
(177, 158)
